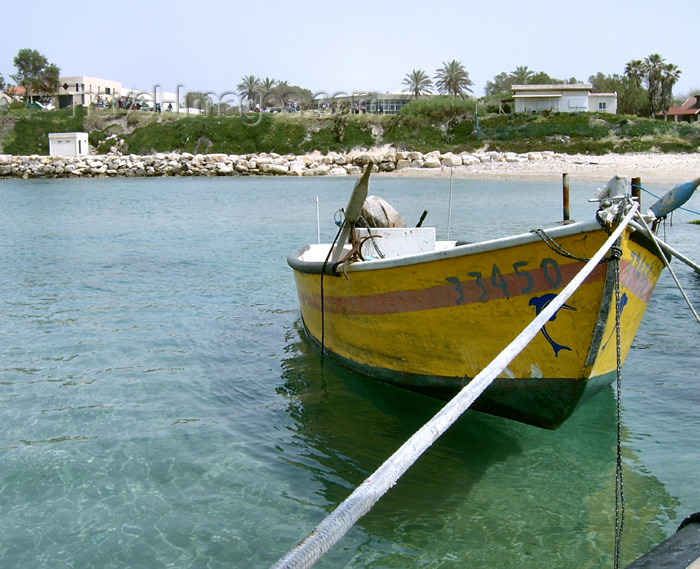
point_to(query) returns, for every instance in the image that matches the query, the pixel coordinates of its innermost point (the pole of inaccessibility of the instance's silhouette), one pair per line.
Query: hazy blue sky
(209, 45)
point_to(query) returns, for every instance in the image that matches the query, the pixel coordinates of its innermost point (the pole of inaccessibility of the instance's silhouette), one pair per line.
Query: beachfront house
(84, 90)
(573, 98)
(687, 112)
(373, 103)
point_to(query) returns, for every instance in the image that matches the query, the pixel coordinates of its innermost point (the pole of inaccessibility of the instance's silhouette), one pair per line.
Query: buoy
(674, 199)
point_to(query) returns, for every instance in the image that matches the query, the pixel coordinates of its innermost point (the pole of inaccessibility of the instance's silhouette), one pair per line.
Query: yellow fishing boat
(400, 306)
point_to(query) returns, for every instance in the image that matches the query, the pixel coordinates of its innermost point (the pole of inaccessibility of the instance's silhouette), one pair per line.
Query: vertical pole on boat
(449, 208)
(318, 222)
(565, 196)
(637, 190)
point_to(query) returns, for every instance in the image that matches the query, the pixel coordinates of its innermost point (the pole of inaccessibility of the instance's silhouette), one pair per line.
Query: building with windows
(83, 90)
(689, 111)
(375, 103)
(574, 98)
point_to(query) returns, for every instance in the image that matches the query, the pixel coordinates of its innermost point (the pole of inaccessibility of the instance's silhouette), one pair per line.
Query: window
(602, 106)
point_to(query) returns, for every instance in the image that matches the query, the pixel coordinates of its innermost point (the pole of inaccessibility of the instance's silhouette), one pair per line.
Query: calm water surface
(160, 407)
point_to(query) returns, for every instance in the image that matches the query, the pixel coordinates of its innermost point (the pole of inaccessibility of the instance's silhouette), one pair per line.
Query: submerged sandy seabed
(659, 168)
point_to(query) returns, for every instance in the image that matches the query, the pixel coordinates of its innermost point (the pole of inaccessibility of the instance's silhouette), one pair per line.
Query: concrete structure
(68, 144)
(573, 98)
(83, 90)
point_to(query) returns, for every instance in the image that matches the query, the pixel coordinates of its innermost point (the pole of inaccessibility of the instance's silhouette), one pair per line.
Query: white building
(373, 103)
(68, 144)
(83, 90)
(575, 98)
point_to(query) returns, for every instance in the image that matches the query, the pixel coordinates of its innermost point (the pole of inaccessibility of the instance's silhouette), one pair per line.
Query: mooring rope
(666, 247)
(361, 500)
(659, 197)
(658, 243)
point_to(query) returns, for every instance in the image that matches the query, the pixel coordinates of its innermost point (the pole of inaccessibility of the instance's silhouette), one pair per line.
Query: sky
(343, 47)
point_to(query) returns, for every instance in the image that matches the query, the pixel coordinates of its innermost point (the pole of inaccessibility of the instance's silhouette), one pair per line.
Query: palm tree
(669, 77)
(418, 83)
(452, 79)
(635, 71)
(521, 76)
(266, 87)
(652, 67)
(281, 92)
(248, 88)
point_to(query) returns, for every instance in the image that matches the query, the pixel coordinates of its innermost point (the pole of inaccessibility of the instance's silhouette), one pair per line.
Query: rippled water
(160, 408)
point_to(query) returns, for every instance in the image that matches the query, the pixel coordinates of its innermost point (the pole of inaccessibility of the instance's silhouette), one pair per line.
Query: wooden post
(637, 191)
(565, 196)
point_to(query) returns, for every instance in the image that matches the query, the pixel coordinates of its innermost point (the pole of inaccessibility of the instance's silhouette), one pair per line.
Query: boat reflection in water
(490, 492)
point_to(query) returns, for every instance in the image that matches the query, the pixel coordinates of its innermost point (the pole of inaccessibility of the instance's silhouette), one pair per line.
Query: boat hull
(431, 321)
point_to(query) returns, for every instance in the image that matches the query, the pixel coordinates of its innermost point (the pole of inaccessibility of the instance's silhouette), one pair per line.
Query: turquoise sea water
(160, 407)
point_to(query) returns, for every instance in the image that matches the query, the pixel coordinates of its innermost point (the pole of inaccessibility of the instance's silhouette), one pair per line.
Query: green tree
(635, 71)
(266, 88)
(542, 78)
(35, 74)
(418, 83)
(659, 78)
(195, 100)
(452, 79)
(502, 84)
(521, 76)
(2, 83)
(249, 88)
(287, 96)
(631, 96)
(653, 66)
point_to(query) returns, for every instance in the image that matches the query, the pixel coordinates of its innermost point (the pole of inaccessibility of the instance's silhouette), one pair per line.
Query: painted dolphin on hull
(540, 302)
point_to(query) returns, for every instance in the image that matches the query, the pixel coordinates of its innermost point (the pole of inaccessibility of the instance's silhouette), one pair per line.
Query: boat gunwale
(295, 261)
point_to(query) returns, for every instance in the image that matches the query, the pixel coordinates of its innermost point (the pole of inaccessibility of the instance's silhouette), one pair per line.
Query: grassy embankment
(439, 124)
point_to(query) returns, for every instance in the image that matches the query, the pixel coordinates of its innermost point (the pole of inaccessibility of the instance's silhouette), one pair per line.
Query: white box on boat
(396, 241)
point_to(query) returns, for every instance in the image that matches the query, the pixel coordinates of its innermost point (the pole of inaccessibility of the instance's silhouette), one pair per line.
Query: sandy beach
(659, 168)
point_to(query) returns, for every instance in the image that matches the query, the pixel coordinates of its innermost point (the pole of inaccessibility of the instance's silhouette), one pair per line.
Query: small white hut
(68, 143)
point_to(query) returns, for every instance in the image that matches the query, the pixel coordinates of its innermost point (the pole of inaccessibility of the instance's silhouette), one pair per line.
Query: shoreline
(650, 167)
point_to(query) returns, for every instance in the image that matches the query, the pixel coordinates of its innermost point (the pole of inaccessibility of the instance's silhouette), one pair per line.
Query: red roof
(681, 111)
(691, 103)
(690, 107)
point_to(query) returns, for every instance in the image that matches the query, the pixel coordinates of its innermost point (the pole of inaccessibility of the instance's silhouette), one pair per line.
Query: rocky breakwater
(313, 164)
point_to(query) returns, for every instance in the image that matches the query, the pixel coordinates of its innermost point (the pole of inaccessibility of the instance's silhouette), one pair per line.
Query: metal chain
(554, 246)
(614, 260)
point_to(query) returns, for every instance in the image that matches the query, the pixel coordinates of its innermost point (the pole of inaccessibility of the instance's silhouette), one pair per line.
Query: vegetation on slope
(441, 123)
